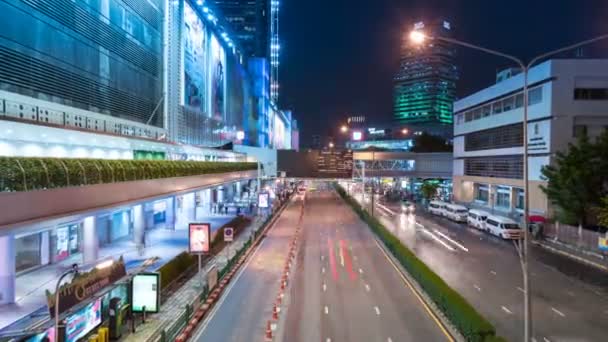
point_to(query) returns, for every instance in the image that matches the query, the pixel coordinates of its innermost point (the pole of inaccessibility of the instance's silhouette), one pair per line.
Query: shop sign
(263, 200)
(85, 285)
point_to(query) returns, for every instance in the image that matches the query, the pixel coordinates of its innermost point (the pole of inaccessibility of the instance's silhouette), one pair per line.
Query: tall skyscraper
(256, 25)
(425, 85)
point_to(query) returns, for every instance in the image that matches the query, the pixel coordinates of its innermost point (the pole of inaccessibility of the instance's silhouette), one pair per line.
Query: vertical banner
(199, 235)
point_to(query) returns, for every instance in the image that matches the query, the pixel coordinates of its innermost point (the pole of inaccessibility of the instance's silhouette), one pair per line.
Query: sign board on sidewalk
(199, 235)
(146, 292)
(263, 200)
(602, 244)
(228, 234)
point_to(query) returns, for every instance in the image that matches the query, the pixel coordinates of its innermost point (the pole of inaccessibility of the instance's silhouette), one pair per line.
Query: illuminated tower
(425, 85)
(275, 46)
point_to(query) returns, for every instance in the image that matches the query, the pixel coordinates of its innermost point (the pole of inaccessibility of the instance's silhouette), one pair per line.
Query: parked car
(437, 208)
(456, 212)
(503, 227)
(477, 219)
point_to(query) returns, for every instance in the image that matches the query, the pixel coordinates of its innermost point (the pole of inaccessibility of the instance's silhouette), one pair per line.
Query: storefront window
(519, 204)
(27, 252)
(482, 193)
(67, 241)
(503, 197)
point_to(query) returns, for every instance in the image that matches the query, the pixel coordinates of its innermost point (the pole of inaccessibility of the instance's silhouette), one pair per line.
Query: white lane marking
(341, 257)
(324, 287)
(322, 257)
(227, 292)
(377, 309)
(389, 340)
(457, 244)
(367, 289)
(355, 257)
(361, 271)
(385, 208)
(322, 269)
(477, 287)
(521, 290)
(493, 272)
(429, 233)
(504, 308)
(546, 339)
(326, 310)
(328, 340)
(558, 312)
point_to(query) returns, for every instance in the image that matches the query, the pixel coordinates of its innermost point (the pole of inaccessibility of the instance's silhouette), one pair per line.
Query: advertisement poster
(146, 292)
(63, 235)
(194, 60)
(263, 200)
(199, 235)
(83, 321)
(217, 79)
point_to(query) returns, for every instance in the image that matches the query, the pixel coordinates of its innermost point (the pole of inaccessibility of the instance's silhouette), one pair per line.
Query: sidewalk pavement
(30, 306)
(589, 258)
(175, 305)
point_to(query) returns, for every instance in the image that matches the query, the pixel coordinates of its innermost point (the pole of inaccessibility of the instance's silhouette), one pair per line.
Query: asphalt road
(569, 299)
(242, 312)
(345, 288)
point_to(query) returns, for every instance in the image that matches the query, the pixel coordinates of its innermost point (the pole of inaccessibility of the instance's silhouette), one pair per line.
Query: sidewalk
(30, 307)
(595, 260)
(174, 307)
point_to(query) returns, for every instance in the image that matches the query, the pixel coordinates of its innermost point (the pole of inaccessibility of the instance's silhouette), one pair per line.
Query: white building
(567, 97)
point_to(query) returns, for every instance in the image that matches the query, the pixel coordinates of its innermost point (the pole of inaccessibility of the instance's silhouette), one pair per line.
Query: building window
(535, 96)
(579, 131)
(505, 104)
(591, 94)
(519, 199)
(27, 250)
(503, 197)
(482, 193)
(499, 137)
(495, 167)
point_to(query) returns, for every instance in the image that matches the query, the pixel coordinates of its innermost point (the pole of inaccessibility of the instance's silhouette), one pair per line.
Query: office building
(567, 97)
(256, 27)
(425, 85)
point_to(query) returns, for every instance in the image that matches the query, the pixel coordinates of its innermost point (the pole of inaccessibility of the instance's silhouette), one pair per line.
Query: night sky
(339, 56)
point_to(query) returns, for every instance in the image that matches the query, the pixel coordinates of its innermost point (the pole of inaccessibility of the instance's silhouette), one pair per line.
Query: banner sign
(85, 285)
(263, 200)
(228, 234)
(145, 292)
(199, 235)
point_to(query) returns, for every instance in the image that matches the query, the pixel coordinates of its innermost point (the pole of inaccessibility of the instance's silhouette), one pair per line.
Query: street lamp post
(73, 270)
(418, 37)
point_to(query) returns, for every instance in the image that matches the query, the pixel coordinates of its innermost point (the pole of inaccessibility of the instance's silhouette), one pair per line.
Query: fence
(570, 235)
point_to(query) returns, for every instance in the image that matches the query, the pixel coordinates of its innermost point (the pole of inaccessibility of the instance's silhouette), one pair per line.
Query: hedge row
(465, 318)
(24, 174)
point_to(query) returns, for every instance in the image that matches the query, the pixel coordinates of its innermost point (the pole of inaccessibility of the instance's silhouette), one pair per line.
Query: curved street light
(418, 37)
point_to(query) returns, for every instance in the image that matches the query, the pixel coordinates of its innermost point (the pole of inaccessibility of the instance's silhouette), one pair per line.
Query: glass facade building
(425, 85)
(103, 56)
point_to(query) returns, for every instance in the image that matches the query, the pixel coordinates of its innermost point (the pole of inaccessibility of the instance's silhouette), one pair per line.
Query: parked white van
(437, 208)
(503, 227)
(456, 212)
(477, 219)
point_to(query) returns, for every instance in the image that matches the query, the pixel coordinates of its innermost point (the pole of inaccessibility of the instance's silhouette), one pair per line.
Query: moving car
(477, 219)
(437, 208)
(456, 212)
(407, 206)
(503, 227)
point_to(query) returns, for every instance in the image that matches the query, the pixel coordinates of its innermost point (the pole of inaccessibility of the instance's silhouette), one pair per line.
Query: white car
(456, 212)
(503, 227)
(437, 208)
(477, 219)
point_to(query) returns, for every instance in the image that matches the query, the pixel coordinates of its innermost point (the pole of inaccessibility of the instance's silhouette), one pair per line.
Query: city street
(487, 272)
(345, 288)
(246, 305)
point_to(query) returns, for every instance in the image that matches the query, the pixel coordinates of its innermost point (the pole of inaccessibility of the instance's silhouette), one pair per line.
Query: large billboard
(195, 47)
(217, 79)
(316, 163)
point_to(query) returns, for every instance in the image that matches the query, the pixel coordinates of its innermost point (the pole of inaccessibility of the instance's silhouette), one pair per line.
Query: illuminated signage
(240, 135)
(357, 136)
(199, 235)
(145, 290)
(263, 200)
(83, 321)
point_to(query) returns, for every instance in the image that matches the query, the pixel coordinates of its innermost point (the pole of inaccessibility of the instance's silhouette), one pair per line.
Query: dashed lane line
(377, 309)
(558, 312)
(505, 309)
(477, 287)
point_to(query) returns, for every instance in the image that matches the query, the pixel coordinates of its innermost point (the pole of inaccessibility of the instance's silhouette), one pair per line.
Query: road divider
(462, 315)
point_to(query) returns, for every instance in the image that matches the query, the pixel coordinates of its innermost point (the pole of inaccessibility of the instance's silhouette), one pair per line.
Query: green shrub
(465, 318)
(24, 174)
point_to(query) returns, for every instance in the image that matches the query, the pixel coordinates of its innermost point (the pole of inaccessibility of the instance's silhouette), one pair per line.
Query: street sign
(199, 235)
(228, 234)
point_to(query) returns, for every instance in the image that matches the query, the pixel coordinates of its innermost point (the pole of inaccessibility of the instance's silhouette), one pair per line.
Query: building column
(7, 269)
(90, 250)
(170, 213)
(189, 207)
(139, 225)
(45, 248)
(149, 215)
